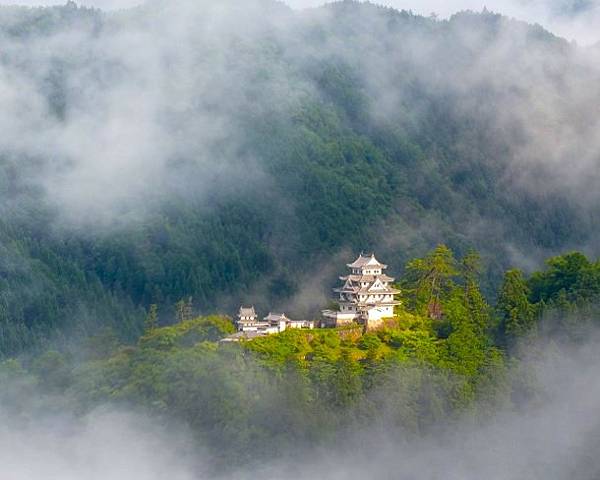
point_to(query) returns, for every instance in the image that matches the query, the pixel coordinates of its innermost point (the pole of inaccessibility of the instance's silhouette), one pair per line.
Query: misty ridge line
(567, 18)
(142, 107)
(116, 126)
(153, 120)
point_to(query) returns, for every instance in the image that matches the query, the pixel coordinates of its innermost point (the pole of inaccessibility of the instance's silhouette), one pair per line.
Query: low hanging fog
(102, 446)
(125, 108)
(573, 19)
(555, 437)
(117, 113)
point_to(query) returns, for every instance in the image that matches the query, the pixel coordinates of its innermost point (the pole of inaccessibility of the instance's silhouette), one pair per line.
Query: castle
(250, 326)
(366, 297)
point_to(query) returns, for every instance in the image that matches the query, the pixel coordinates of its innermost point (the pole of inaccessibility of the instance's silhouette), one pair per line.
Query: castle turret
(247, 320)
(277, 322)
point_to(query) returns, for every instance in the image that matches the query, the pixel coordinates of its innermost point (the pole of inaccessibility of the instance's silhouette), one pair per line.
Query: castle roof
(366, 261)
(347, 289)
(367, 278)
(275, 317)
(385, 290)
(373, 304)
(369, 289)
(247, 312)
(367, 303)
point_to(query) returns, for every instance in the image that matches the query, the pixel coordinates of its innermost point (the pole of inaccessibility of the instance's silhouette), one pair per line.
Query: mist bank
(571, 19)
(106, 444)
(554, 435)
(119, 113)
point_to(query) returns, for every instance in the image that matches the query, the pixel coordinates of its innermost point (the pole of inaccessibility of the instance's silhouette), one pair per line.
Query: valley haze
(554, 438)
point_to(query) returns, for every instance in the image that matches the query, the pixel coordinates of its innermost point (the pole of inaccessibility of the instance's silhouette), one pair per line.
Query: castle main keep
(366, 297)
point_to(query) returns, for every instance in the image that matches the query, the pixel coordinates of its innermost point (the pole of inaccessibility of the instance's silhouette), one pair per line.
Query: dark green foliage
(514, 309)
(572, 275)
(429, 280)
(567, 296)
(151, 321)
(340, 169)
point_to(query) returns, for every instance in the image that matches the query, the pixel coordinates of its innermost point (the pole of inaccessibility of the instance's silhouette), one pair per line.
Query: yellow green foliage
(188, 333)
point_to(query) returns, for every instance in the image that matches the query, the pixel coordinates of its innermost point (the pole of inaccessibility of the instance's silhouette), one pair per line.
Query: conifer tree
(429, 279)
(151, 322)
(514, 308)
(477, 307)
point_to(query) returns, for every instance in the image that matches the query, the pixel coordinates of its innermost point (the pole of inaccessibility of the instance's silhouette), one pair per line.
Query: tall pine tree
(515, 311)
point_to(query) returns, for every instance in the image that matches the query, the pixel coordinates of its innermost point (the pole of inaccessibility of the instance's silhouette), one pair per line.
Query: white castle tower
(247, 320)
(366, 297)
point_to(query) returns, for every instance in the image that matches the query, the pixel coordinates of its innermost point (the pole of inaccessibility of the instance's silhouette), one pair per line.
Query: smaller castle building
(250, 326)
(248, 321)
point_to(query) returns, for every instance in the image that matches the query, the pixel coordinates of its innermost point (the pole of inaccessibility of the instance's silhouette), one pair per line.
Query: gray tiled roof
(367, 278)
(366, 260)
(247, 312)
(275, 317)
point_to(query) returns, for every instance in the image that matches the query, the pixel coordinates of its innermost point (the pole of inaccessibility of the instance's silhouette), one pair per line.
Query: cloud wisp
(111, 116)
(104, 445)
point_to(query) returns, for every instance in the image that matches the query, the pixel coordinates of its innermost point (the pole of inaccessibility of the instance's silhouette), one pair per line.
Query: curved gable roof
(366, 261)
(247, 312)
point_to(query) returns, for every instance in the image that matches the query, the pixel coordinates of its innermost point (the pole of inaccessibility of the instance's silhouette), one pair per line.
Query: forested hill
(288, 396)
(243, 151)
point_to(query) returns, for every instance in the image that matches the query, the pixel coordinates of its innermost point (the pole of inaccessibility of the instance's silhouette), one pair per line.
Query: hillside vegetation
(271, 396)
(265, 152)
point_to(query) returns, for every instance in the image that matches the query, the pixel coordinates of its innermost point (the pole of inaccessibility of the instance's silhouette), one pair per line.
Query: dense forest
(308, 389)
(172, 151)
